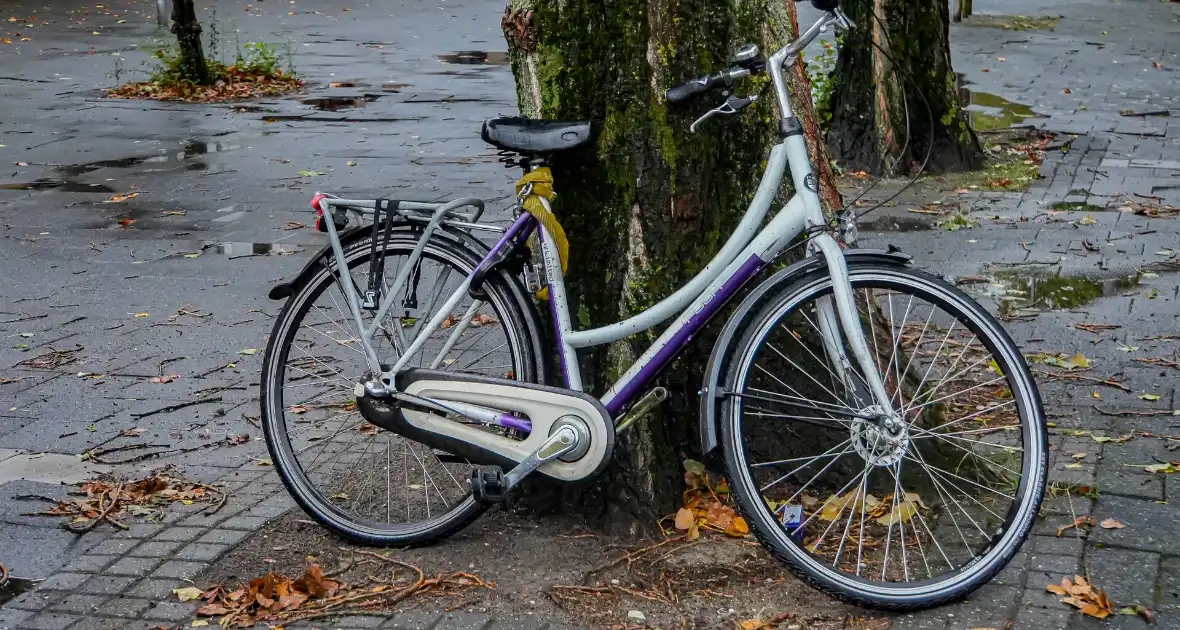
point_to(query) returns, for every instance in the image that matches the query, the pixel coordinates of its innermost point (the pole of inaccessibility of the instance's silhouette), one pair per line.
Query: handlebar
(700, 85)
(726, 78)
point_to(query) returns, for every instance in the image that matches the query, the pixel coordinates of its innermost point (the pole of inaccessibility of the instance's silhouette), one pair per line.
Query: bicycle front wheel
(895, 516)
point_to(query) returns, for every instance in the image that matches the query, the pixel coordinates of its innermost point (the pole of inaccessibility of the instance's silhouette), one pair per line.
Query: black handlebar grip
(687, 90)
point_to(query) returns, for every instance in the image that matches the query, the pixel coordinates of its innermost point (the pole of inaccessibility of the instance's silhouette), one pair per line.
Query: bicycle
(441, 374)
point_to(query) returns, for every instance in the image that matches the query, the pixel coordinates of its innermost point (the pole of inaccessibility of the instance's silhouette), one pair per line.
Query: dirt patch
(551, 569)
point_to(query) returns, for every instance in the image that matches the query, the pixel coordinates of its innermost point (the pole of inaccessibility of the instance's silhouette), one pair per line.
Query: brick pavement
(1101, 51)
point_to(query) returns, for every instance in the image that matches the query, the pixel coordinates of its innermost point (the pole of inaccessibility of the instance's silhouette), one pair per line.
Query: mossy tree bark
(868, 130)
(649, 206)
(187, 29)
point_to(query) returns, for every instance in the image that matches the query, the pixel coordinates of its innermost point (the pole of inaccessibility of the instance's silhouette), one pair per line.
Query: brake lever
(732, 105)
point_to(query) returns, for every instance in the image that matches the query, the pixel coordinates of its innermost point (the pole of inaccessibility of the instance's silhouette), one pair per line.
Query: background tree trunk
(868, 131)
(188, 36)
(650, 205)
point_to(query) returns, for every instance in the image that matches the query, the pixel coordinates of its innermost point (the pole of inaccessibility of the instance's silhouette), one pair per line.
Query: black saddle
(528, 135)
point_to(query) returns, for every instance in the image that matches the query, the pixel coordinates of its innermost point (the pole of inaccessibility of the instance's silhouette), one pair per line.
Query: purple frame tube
(524, 226)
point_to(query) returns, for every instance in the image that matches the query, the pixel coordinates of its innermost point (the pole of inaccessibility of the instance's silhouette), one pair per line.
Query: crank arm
(558, 444)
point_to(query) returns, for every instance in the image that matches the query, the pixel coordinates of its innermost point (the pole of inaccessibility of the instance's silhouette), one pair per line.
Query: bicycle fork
(838, 317)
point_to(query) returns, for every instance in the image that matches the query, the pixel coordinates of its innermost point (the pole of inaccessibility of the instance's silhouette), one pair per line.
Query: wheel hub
(882, 439)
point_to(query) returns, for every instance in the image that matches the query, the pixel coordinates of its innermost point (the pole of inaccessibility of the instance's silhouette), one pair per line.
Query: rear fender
(285, 290)
(714, 369)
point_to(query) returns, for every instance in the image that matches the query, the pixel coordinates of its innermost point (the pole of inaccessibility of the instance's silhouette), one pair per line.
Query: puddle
(54, 184)
(14, 587)
(1076, 206)
(335, 103)
(188, 150)
(254, 109)
(1016, 291)
(475, 58)
(235, 250)
(988, 111)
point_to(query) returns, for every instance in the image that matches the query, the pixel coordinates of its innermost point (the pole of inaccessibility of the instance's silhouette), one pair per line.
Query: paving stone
(10, 619)
(990, 606)
(1057, 546)
(202, 552)
(152, 589)
(135, 567)
(1129, 577)
(50, 621)
(155, 549)
(77, 604)
(223, 537)
(183, 534)
(414, 620)
(128, 607)
(63, 581)
(169, 611)
(268, 511)
(1041, 619)
(34, 601)
(179, 569)
(106, 585)
(1150, 526)
(1054, 564)
(139, 530)
(114, 547)
(247, 523)
(89, 564)
(463, 621)
(354, 621)
(925, 620)
(204, 520)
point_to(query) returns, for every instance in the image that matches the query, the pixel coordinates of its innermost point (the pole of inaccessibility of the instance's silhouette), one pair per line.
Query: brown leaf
(685, 519)
(1110, 523)
(450, 321)
(166, 378)
(210, 610)
(298, 409)
(483, 319)
(738, 528)
(1057, 590)
(126, 222)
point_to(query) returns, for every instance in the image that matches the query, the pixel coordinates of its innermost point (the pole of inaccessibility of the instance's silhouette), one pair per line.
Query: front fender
(714, 368)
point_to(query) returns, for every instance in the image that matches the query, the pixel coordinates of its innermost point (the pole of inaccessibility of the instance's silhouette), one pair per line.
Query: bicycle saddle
(528, 135)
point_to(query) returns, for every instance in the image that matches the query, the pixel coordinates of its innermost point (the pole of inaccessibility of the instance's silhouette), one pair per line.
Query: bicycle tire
(509, 302)
(752, 318)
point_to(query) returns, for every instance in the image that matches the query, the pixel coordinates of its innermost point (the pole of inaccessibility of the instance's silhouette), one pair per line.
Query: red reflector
(315, 204)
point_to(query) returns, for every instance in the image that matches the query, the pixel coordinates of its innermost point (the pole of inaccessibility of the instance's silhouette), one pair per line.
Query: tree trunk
(801, 100)
(868, 131)
(648, 207)
(967, 8)
(188, 36)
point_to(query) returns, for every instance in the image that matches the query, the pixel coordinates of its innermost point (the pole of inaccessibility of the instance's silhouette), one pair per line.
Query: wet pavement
(139, 239)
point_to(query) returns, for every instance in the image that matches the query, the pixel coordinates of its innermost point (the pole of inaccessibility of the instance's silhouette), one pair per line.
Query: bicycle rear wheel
(903, 518)
(370, 485)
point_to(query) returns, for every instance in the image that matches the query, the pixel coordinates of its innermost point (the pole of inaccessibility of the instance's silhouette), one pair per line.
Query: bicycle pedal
(488, 485)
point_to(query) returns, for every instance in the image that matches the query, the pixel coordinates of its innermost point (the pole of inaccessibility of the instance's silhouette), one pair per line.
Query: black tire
(763, 314)
(510, 307)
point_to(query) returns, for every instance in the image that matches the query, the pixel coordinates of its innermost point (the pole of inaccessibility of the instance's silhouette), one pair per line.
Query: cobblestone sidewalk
(1103, 53)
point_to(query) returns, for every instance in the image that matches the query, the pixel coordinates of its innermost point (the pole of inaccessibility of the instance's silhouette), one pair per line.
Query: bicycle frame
(746, 253)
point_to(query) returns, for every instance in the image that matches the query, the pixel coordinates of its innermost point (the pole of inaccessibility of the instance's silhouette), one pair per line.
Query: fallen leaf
(483, 319)
(1110, 523)
(248, 351)
(1126, 348)
(295, 225)
(684, 519)
(450, 321)
(310, 173)
(1149, 397)
(187, 593)
(298, 409)
(1087, 220)
(1161, 468)
(1078, 522)
(1068, 91)
(126, 222)
(265, 461)
(140, 314)
(194, 255)
(22, 163)
(199, 623)
(165, 378)
(350, 163)
(119, 198)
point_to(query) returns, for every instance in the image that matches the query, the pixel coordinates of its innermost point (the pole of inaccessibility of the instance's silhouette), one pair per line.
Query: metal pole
(163, 12)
